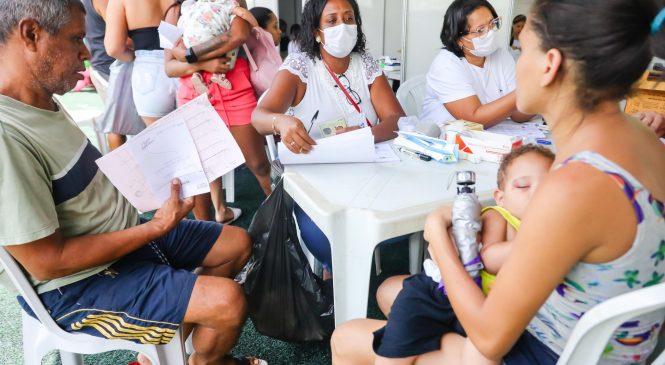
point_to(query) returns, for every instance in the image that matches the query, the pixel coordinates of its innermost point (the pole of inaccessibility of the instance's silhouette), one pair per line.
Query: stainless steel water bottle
(467, 223)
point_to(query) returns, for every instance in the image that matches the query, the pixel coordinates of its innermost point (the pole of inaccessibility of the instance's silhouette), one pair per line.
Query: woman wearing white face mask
(473, 77)
(331, 86)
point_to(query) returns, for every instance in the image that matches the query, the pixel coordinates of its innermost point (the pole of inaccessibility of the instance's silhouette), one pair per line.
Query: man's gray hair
(52, 15)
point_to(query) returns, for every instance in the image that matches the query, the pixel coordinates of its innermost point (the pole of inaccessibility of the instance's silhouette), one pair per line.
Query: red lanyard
(346, 93)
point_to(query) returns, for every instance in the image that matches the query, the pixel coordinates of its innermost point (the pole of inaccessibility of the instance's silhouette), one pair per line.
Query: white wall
(372, 13)
(521, 7)
(424, 19)
(392, 28)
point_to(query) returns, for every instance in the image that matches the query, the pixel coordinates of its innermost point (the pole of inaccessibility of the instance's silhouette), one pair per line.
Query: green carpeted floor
(248, 198)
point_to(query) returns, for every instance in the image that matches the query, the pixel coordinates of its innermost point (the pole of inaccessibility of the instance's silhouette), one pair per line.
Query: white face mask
(340, 39)
(485, 45)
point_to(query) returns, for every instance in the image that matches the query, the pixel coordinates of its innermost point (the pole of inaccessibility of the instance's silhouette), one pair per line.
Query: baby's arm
(246, 15)
(495, 247)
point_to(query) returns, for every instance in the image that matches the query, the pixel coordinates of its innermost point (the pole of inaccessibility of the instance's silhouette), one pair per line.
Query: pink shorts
(234, 106)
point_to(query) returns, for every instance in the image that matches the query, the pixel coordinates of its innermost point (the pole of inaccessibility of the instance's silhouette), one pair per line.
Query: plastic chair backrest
(23, 286)
(593, 331)
(411, 95)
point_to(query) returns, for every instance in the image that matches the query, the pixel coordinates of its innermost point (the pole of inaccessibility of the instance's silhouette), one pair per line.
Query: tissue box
(486, 146)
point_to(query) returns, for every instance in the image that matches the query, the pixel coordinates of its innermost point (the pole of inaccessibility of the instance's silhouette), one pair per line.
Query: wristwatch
(190, 56)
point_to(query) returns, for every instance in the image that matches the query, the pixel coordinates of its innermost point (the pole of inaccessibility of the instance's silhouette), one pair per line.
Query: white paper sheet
(168, 35)
(356, 146)
(529, 129)
(217, 149)
(383, 152)
(124, 173)
(162, 156)
(192, 144)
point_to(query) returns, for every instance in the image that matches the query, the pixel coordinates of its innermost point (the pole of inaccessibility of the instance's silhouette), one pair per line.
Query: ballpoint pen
(420, 155)
(316, 115)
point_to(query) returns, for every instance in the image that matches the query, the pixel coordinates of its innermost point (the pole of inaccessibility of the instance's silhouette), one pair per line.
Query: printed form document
(354, 146)
(192, 143)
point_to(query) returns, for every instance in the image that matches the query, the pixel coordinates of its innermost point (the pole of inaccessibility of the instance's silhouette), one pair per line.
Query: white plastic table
(357, 206)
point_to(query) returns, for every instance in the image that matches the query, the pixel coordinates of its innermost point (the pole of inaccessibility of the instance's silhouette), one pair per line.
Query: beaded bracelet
(274, 131)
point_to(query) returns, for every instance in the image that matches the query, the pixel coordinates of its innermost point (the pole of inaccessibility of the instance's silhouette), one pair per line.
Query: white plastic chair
(411, 95)
(44, 335)
(595, 328)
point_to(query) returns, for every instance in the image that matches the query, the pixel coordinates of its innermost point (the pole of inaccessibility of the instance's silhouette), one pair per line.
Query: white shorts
(154, 92)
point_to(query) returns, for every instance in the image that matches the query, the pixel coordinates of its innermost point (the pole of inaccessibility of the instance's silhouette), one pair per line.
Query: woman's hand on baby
(246, 15)
(179, 51)
(294, 135)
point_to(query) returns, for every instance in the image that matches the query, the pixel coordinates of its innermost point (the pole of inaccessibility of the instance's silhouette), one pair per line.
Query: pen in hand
(316, 115)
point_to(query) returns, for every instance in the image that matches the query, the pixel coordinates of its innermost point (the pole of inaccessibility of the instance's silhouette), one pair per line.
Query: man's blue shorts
(143, 296)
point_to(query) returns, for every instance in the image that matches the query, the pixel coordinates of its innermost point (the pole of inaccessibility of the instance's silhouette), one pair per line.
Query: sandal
(236, 214)
(249, 361)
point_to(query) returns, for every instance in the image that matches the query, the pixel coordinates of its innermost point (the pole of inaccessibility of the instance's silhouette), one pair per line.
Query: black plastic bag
(286, 300)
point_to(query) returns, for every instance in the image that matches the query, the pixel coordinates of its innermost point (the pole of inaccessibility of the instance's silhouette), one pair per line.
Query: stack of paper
(355, 146)
(524, 130)
(192, 144)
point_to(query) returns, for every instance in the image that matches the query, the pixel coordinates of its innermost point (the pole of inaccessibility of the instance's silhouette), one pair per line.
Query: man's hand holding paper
(192, 144)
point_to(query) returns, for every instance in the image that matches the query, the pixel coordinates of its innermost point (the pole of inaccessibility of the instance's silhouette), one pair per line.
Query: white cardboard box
(486, 145)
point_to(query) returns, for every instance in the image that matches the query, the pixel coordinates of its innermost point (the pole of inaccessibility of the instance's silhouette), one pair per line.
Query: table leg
(352, 261)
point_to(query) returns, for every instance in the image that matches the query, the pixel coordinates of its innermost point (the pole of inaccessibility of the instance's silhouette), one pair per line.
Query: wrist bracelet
(274, 131)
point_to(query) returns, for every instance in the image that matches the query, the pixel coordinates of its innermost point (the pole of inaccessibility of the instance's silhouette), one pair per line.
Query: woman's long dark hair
(517, 19)
(311, 19)
(177, 3)
(609, 49)
(262, 15)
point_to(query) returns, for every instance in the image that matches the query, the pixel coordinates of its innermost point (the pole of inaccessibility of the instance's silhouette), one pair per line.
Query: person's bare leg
(229, 254)
(387, 292)
(455, 349)
(148, 120)
(351, 343)
(216, 333)
(115, 140)
(222, 214)
(217, 308)
(202, 207)
(252, 146)
(403, 361)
